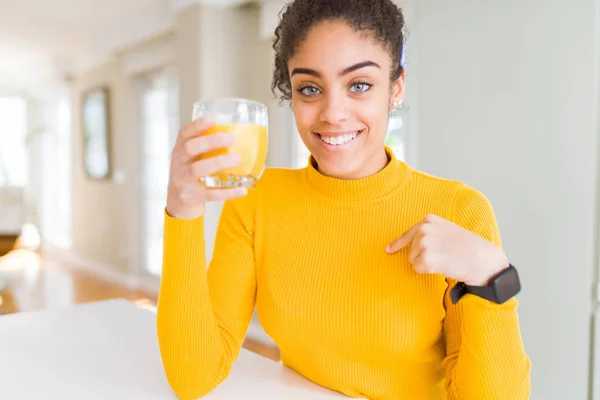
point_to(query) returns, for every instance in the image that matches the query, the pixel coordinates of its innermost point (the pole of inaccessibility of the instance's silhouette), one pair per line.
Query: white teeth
(338, 140)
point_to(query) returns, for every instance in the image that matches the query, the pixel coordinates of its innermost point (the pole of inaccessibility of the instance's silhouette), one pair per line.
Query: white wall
(102, 210)
(507, 102)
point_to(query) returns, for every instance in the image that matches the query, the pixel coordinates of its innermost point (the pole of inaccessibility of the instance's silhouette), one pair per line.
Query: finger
(212, 165)
(226, 194)
(416, 246)
(403, 240)
(204, 144)
(196, 127)
(429, 262)
(419, 264)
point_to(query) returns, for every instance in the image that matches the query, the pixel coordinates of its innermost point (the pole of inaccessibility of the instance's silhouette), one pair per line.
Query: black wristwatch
(501, 288)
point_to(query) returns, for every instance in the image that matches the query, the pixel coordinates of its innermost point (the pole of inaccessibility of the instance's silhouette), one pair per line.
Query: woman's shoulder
(421, 176)
(427, 183)
(272, 173)
(459, 193)
(276, 186)
(272, 183)
(278, 179)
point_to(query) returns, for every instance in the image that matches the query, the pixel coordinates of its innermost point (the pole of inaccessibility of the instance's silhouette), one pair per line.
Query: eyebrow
(308, 71)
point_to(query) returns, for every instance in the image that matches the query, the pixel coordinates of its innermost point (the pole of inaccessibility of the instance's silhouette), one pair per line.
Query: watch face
(506, 285)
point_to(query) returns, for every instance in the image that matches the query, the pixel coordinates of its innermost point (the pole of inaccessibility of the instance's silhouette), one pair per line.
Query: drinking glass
(247, 120)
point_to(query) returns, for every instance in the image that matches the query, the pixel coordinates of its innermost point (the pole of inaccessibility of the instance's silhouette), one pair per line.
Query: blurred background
(501, 95)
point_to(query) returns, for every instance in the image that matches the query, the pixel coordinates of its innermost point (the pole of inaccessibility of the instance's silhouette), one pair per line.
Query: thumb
(403, 241)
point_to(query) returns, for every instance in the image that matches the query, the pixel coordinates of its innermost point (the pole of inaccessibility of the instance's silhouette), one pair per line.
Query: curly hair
(382, 19)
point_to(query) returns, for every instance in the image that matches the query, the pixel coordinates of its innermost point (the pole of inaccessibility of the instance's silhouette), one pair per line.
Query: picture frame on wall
(96, 133)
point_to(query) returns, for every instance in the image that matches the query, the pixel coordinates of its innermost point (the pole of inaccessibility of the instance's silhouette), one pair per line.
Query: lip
(339, 147)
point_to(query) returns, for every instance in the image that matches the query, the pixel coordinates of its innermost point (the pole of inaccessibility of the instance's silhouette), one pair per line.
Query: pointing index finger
(404, 240)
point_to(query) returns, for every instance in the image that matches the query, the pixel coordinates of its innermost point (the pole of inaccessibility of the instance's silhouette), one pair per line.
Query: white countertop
(109, 350)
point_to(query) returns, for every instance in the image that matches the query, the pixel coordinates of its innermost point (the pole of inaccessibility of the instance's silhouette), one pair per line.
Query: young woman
(374, 279)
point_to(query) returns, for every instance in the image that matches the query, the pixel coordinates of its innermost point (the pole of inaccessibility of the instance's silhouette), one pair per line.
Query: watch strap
(499, 290)
(460, 289)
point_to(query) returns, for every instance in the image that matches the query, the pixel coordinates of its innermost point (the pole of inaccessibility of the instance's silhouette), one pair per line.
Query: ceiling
(44, 39)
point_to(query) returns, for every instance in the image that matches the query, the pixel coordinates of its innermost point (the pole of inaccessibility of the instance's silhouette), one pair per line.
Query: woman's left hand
(438, 246)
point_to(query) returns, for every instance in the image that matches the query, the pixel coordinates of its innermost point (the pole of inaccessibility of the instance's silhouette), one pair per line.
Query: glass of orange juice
(248, 121)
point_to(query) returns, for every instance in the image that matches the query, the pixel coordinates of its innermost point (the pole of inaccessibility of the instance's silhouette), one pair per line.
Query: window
(159, 126)
(13, 144)
(56, 172)
(396, 136)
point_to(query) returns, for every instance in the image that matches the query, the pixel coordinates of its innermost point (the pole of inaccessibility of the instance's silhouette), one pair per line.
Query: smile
(339, 140)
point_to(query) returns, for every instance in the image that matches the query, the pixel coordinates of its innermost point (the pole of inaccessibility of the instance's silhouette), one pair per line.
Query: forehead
(333, 46)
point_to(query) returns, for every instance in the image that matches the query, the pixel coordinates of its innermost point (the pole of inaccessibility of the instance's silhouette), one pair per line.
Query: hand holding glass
(248, 122)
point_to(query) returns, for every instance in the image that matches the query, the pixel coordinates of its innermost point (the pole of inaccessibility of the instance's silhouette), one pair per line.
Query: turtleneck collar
(364, 190)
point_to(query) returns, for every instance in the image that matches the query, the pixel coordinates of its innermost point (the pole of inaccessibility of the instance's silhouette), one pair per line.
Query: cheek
(306, 115)
(375, 116)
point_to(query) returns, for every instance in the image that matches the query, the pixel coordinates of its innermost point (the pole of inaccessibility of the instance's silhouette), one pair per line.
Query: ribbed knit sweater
(308, 251)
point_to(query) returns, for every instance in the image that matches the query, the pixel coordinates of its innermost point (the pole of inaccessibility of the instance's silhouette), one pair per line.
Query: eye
(309, 91)
(360, 87)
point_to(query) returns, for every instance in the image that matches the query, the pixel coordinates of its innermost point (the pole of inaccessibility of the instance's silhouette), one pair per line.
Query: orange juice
(250, 143)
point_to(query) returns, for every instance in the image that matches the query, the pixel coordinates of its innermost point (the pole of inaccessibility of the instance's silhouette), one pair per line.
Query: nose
(335, 110)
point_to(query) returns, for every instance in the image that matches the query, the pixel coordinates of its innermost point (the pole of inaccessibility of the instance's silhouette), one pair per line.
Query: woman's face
(341, 98)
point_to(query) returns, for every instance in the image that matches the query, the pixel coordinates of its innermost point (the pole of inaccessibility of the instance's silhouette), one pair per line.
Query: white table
(109, 350)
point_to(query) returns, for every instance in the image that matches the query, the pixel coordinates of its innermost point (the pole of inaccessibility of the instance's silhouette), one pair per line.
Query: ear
(397, 96)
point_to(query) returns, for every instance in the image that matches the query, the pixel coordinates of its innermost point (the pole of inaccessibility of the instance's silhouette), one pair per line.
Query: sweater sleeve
(485, 357)
(203, 315)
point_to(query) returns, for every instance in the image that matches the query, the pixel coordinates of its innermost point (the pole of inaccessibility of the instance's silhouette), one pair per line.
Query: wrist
(483, 276)
(184, 213)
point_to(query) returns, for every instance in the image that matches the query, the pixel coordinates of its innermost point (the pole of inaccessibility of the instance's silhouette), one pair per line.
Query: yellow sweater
(309, 252)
